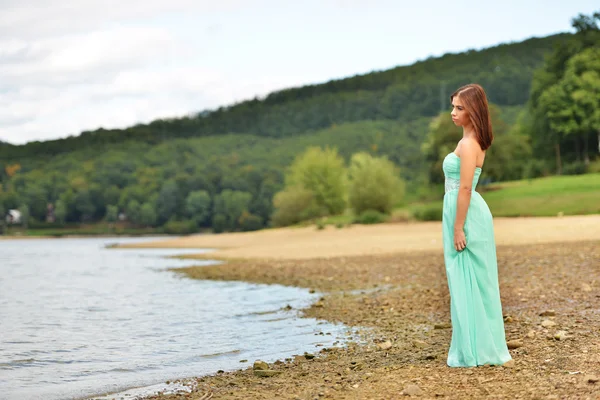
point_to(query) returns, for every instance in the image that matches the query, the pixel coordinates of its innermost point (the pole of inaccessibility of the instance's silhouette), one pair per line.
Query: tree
(112, 214)
(374, 184)
(24, 209)
(198, 206)
(232, 204)
(167, 201)
(2, 217)
(294, 204)
(322, 172)
(60, 212)
(572, 105)
(84, 205)
(133, 211)
(147, 215)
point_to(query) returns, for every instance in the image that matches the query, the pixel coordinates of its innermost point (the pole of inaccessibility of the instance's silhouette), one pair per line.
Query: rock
(419, 343)
(547, 313)
(243, 361)
(412, 390)
(548, 323)
(385, 345)
(430, 357)
(508, 319)
(309, 356)
(585, 287)
(265, 373)
(442, 326)
(260, 365)
(530, 334)
(561, 335)
(590, 378)
(509, 364)
(514, 344)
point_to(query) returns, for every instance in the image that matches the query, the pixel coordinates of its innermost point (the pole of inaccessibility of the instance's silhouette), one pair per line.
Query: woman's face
(460, 116)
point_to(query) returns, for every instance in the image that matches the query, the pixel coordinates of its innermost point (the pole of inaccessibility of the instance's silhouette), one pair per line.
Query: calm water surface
(77, 320)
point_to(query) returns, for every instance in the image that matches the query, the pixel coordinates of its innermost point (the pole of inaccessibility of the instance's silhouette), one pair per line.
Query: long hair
(475, 101)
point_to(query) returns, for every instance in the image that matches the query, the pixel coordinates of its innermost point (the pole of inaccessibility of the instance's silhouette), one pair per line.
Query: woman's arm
(468, 163)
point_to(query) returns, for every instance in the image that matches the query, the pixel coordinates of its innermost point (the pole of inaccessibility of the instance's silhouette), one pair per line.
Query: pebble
(260, 365)
(548, 323)
(514, 344)
(412, 390)
(385, 345)
(561, 335)
(548, 313)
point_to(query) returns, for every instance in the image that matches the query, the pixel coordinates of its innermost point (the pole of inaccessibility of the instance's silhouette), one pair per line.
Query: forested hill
(402, 93)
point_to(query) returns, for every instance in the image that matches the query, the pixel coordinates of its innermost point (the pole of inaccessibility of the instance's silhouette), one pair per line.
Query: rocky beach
(396, 301)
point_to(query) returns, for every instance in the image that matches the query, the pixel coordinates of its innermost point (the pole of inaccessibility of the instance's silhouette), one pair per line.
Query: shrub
(371, 217)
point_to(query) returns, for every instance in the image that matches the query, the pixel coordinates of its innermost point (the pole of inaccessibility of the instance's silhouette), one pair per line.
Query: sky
(66, 68)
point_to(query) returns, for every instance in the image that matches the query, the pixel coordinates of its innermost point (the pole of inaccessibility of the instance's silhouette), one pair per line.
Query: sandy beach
(390, 278)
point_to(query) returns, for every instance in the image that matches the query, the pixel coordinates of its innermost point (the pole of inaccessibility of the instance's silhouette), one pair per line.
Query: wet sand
(394, 293)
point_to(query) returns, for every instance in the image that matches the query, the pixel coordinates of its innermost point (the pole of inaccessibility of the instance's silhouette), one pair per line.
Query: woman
(469, 246)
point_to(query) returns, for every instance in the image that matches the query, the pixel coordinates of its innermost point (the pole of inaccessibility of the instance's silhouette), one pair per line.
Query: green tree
(112, 213)
(295, 204)
(167, 201)
(232, 204)
(24, 209)
(133, 211)
(374, 184)
(60, 212)
(322, 172)
(148, 216)
(84, 205)
(198, 206)
(2, 217)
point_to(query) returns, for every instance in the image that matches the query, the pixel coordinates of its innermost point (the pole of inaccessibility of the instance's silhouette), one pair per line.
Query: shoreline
(549, 300)
(548, 297)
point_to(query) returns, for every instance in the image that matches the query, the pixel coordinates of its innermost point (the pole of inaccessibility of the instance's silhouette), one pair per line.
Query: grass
(570, 195)
(541, 197)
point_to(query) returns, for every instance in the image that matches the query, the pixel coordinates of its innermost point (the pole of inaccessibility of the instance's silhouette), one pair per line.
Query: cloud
(66, 68)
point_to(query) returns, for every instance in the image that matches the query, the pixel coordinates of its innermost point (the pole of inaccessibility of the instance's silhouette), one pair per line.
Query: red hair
(475, 101)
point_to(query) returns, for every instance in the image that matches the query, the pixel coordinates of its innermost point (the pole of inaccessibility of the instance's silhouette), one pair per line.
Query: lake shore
(391, 279)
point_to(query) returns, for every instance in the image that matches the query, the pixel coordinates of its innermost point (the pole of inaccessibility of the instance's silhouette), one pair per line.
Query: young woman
(469, 247)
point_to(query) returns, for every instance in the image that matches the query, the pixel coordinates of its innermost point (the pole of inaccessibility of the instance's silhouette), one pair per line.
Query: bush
(576, 168)
(374, 184)
(594, 167)
(219, 223)
(431, 212)
(180, 227)
(322, 172)
(250, 222)
(535, 169)
(293, 205)
(370, 217)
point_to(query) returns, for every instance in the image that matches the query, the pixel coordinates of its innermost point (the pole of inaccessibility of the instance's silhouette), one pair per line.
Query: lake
(78, 319)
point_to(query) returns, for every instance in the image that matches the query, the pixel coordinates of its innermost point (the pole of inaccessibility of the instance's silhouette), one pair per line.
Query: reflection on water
(77, 319)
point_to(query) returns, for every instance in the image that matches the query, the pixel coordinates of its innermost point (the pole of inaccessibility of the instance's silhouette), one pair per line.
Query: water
(77, 320)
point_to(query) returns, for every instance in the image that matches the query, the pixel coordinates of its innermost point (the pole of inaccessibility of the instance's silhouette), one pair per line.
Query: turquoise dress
(475, 309)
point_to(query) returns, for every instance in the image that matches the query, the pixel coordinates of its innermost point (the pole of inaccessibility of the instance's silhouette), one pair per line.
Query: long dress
(478, 336)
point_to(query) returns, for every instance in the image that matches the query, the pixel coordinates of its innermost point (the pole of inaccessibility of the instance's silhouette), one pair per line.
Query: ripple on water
(85, 319)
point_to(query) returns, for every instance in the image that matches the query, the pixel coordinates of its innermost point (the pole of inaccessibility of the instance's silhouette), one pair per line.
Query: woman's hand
(460, 241)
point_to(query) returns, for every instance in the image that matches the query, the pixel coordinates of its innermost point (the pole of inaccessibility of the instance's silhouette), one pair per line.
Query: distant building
(13, 217)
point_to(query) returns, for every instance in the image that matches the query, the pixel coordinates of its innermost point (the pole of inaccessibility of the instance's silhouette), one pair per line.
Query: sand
(388, 283)
(355, 240)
